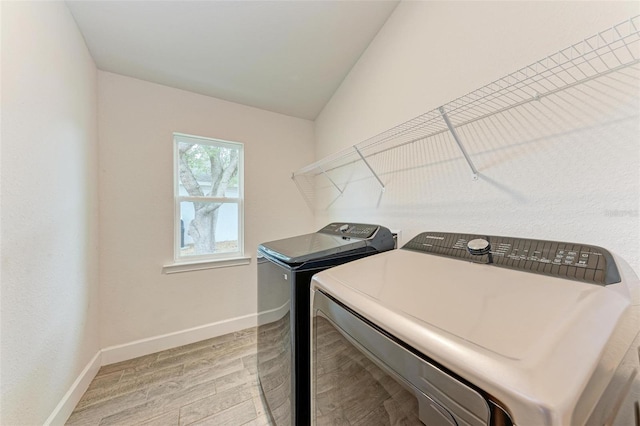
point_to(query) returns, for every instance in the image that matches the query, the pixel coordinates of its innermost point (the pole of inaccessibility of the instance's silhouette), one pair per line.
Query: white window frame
(221, 259)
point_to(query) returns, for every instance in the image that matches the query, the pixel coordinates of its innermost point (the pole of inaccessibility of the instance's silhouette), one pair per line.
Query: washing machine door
(362, 377)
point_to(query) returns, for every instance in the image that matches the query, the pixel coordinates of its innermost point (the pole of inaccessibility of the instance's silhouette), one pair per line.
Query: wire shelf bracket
(459, 142)
(330, 180)
(373, 172)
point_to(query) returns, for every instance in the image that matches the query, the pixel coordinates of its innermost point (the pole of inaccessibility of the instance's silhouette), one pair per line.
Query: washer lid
(512, 314)
(332, 240)
(531, 337)
(303, 248)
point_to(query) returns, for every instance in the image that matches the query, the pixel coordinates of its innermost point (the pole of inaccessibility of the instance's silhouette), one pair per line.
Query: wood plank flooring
(212, 382)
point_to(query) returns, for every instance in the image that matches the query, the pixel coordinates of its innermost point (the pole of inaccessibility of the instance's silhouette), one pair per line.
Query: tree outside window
(208, 197)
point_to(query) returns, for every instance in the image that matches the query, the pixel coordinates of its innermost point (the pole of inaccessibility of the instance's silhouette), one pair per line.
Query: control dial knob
(479, 246)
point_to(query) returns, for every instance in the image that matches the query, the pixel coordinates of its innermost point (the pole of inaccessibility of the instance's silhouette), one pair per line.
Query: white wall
(49, 209)
(136, 122)
(564, 168)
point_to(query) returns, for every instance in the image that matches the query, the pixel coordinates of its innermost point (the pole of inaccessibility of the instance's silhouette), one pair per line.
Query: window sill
(175, 268)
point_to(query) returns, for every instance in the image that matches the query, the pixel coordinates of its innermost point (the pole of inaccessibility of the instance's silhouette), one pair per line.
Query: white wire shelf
(606, 52)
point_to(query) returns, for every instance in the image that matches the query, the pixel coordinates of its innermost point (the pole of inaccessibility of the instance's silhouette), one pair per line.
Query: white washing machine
(460, 329)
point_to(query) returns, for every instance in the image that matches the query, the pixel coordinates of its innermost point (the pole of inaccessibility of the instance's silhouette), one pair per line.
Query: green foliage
(200, 157)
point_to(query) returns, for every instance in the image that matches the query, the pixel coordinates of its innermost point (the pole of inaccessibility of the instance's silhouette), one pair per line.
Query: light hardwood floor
(212, 382)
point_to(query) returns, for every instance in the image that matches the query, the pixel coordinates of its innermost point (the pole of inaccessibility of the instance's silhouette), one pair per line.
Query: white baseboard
(65, 407)
(163, 342)
(150, 345)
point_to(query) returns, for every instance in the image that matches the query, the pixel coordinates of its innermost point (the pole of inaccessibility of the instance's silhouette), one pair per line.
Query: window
(208, 191)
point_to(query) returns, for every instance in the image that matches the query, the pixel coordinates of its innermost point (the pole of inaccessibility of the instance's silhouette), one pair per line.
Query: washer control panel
(350, 230)
(572, 261)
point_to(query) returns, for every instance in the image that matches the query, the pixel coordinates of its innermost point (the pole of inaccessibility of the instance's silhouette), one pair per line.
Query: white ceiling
(283, 56)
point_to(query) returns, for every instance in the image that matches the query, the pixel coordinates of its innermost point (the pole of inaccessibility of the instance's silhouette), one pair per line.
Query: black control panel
(572, 261)
(354, 230)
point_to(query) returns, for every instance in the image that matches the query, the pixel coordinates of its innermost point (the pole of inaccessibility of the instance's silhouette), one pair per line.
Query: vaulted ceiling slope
(282, 56)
